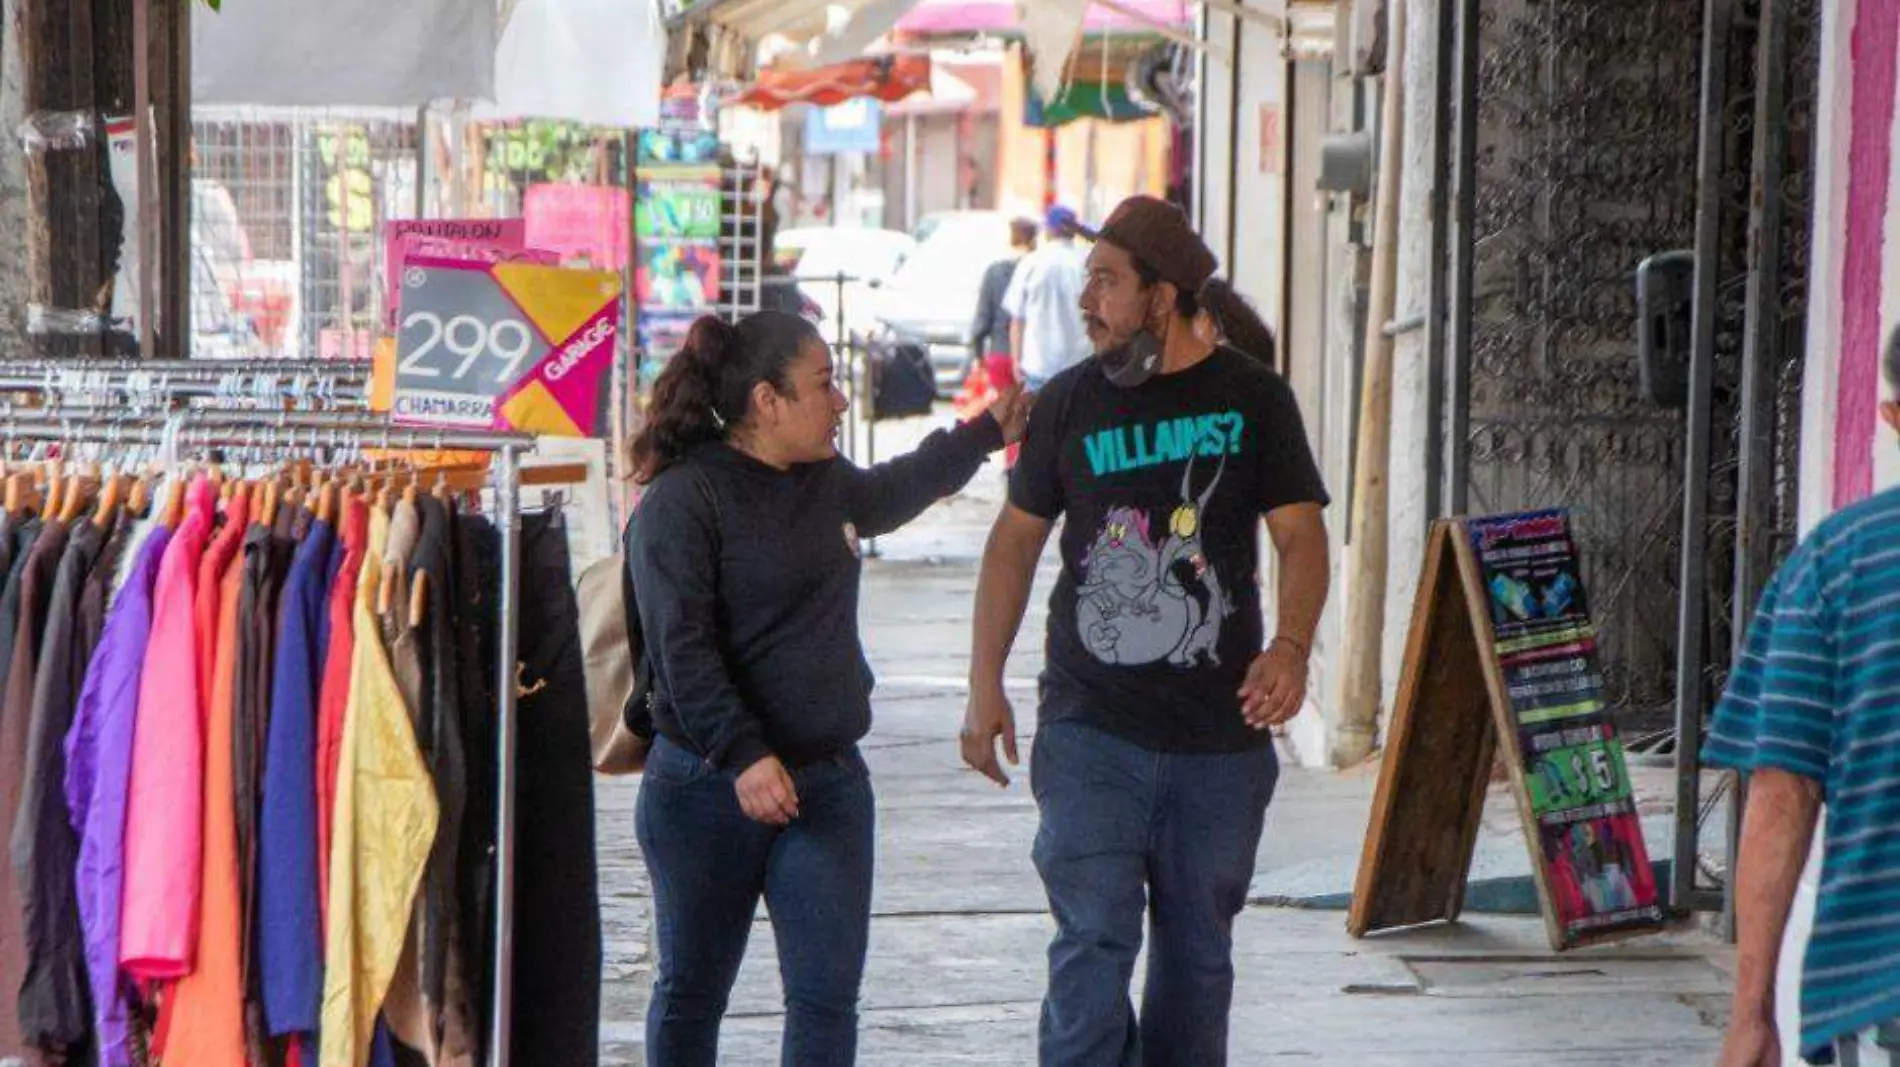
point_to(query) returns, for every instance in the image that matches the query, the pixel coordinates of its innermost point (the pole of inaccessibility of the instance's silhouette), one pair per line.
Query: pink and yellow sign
(505, 346)
(498, 238)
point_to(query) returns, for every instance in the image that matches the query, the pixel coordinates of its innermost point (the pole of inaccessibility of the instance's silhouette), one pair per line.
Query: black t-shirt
(1156, 617)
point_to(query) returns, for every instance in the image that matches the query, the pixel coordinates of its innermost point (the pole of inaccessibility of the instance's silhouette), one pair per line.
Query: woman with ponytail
(744, 562)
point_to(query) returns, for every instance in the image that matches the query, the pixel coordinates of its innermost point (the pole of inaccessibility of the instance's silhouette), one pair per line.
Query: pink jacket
(164, 811)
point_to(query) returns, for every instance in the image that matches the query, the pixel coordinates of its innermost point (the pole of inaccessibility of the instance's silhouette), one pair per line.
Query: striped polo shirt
(1817, 693)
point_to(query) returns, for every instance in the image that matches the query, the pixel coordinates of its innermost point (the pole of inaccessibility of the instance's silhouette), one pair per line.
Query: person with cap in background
(1154, 761)
(1046, 331)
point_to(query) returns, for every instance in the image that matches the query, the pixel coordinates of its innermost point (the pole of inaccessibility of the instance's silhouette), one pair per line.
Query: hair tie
(718, 419)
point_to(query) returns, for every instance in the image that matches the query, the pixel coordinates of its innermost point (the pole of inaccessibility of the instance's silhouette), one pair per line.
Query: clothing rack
(193, 430)
(326, 383)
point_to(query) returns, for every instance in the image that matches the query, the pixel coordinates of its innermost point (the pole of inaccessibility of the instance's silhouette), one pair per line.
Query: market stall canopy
(267, 52)
(591, 61)
(887, 78)
(932, 18)
(953, 92)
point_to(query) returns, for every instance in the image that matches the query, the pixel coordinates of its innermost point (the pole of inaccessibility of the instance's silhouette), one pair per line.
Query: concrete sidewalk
(958, 941)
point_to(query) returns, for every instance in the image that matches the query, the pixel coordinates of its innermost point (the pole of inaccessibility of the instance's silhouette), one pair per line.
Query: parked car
(864, 259)
(931, 301)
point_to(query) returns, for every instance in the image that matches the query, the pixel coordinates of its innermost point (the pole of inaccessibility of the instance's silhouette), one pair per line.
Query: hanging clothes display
(557, 957)
(290, 933)
(164, 811)
(383, 788)
(98, 770)
(38, 573)
(206, 1020)
(249, 768)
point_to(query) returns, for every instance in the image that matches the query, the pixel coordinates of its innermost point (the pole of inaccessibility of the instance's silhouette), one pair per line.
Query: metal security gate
(1574, 156)
(1752, 262)
(1584, 153)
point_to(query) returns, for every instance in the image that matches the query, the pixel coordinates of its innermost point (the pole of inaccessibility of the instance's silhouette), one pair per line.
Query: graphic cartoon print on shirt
(1142, 602)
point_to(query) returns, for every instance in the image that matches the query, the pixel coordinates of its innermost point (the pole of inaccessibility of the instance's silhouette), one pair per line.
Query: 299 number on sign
(508, 341)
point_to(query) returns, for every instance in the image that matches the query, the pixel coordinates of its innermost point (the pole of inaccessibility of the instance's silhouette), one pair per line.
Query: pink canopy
(999, 16)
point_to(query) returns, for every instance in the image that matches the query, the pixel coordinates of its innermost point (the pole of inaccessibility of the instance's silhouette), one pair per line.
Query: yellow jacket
(386, 816)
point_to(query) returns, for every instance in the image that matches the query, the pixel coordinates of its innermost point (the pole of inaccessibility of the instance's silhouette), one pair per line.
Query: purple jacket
(98, 774)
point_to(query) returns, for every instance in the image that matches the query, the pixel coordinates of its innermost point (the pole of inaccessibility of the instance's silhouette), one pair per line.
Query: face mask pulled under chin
(1134, 363)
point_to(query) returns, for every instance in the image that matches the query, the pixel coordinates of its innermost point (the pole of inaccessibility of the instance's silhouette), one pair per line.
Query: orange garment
(221, 551)
(207, 1006)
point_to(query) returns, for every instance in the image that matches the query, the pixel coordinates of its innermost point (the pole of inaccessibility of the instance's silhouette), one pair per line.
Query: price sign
(500, 235)
(506, 346)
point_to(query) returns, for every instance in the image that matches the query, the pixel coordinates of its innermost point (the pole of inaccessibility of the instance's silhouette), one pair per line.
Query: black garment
(250, 697)
(1157, 617)
(557, 898)
(476, 546)
(25, 536)
(55, 1003)
(9, 539)
(39, 572)
(443, 745)
(990, 332)
(748, 602)
(266, 561)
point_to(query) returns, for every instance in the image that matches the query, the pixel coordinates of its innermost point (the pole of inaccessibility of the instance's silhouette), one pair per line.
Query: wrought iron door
(1585, 137)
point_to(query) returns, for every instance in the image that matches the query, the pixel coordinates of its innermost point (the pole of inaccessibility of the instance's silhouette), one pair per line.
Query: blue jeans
(1130, 834)
(711, 864)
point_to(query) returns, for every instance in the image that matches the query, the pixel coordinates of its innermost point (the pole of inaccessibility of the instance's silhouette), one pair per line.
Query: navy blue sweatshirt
(747, 582)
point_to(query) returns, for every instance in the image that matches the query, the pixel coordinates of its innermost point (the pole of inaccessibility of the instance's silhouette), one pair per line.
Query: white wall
(1255, 256)
(1411, 424)
(1213, 147)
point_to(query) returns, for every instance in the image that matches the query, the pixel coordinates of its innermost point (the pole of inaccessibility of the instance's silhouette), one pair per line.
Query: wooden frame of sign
(1452, 718)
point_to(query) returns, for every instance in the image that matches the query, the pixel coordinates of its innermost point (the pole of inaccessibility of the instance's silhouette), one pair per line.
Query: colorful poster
(586, 225)
(678, 203)
(1575, 770)
(680, 272)
(688, 132)
(499, 234)
(506, 346)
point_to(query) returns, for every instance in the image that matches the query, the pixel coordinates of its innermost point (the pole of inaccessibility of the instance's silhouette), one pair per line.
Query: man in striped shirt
(1812, 715)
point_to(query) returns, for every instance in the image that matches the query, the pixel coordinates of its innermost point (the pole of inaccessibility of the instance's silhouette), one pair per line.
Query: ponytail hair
(706, 389)
(1234, 317)
(1237, 321)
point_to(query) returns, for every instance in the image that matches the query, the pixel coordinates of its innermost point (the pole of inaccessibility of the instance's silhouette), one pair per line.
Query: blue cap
(1061, 220)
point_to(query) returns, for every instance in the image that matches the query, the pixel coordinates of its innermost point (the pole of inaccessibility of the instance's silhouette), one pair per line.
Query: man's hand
(990, 717)
(767, 794)
(1011, 412)
(1276, 686)
(1753, 1041)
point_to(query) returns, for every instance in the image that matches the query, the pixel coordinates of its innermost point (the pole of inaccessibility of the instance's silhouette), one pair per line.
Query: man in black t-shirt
(1154, 760)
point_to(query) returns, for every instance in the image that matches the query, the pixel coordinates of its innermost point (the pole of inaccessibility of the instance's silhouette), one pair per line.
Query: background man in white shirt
(1047, 332)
